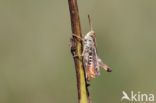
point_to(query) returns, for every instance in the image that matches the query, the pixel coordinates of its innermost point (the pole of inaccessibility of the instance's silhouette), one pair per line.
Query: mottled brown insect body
(91, 60)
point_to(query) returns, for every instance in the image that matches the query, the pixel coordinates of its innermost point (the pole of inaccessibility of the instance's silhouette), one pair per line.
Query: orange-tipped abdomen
(91, 72)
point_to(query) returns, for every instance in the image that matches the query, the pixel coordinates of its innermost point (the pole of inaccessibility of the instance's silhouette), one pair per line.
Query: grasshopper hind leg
(104, 66)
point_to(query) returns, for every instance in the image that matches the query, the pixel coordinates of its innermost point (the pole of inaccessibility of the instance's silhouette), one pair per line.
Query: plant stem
(76, 50)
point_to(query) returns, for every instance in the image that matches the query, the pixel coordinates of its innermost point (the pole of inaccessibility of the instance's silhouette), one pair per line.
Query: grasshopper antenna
(90, 23)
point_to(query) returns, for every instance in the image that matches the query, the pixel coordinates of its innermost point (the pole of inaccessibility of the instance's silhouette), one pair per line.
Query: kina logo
(140, 97)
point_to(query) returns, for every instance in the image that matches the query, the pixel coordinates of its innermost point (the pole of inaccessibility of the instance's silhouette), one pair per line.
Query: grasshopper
(91, 60)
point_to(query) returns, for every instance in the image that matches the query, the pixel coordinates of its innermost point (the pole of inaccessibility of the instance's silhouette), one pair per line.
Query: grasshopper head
(90, 37)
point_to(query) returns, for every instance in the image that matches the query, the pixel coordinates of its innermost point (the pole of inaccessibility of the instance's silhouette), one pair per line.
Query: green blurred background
(36, 65)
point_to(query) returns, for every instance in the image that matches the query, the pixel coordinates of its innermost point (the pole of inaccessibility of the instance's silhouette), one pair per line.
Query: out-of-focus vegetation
(35, 61)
